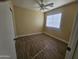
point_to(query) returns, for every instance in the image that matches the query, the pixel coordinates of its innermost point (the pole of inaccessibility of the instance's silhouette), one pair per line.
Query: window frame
(54, 28)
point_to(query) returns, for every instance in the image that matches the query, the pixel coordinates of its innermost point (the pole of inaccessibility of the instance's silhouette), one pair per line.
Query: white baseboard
(4, 57)
(28, 34)
(56, 37)
(41, 33)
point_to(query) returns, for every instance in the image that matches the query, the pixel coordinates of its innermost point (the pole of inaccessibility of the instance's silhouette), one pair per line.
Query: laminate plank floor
(40, 46)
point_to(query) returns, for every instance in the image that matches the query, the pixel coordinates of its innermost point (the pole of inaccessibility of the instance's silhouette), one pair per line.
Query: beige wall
(28, 21)
(69, 12)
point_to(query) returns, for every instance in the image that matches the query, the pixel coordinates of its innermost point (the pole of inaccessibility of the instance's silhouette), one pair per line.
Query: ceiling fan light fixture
(42, 5)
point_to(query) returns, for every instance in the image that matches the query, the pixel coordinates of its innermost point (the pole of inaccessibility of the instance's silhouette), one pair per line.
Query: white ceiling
(31, 4)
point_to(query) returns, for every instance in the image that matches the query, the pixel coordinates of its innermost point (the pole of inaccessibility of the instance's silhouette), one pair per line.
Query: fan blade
(41, 1)
(50, 4)
(37, 2)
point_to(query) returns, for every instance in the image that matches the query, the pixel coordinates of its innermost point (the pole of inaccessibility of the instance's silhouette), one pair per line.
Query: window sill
(55, 29)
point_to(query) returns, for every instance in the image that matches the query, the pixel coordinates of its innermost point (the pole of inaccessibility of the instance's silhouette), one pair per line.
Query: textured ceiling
(31, 4)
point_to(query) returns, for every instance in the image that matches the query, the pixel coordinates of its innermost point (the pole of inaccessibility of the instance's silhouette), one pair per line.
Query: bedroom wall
(27, 21)
(68, 17)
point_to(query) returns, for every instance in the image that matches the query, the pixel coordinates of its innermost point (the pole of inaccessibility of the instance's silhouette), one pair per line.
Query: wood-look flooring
(40, 46)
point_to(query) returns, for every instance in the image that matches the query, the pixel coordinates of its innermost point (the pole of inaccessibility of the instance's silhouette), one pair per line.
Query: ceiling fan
(42, 5)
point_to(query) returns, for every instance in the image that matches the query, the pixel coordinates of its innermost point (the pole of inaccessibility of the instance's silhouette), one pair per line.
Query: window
(54, 20)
